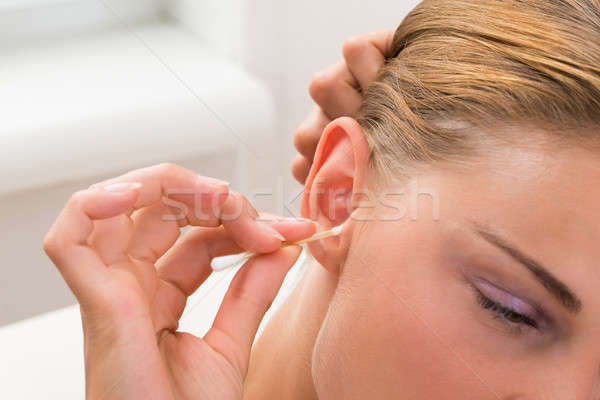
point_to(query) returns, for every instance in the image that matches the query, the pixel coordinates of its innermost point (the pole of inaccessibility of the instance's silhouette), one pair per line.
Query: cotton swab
(226, 262)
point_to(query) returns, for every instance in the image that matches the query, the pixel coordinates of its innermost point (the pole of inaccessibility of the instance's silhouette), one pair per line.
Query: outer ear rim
(331, 253)
(354, 131)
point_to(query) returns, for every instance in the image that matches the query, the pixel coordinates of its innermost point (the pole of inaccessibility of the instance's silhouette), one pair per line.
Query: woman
(467, 264)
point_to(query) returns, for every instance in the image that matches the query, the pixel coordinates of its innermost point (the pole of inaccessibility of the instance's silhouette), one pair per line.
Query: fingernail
(122, 186)
(270, 230)
(213, 181)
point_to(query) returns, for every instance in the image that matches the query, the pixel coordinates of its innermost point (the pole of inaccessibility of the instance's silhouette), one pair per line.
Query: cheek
(373, 345)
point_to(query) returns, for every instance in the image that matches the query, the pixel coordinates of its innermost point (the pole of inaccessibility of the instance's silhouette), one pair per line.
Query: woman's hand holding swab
(116, 245)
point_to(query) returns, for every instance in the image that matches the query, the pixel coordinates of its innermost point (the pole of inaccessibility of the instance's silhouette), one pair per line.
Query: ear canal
(336, 203)
(328, 198)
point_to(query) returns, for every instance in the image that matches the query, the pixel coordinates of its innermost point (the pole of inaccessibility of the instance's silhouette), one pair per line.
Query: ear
(333, 186)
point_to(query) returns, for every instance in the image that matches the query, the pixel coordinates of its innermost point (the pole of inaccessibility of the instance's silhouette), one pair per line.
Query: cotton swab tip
(224, 262)
(337, 230)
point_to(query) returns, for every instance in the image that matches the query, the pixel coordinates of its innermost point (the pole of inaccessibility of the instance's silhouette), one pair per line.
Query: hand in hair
(337, 90)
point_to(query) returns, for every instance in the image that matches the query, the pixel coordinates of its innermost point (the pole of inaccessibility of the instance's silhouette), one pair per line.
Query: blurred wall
(285, 43)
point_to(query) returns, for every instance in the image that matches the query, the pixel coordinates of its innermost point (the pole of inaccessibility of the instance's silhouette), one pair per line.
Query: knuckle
(80, 196)
(168, 167)
(353, 46)
(296, 167)
(295, 172)
(51, 244)
(300, 139)
(77, 198)
(303, 141)
(299, 169)
(319, 86)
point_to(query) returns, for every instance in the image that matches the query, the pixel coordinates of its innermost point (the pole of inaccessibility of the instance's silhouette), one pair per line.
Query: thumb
(248, 298)
(66, 241)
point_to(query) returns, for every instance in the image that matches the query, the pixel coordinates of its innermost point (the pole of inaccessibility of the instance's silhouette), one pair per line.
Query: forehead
(558, 177)
(543, 196)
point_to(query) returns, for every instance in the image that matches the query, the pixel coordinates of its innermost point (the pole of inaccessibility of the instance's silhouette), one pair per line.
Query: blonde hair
(482, 63)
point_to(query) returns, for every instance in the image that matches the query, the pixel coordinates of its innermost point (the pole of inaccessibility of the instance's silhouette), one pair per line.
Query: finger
(143, 237)
(308, 134)
(336, 91)
(248, 298)
(194, 199)
(240, 219)
(301, 168)
(202, 201)
(292, 228)
(153, 234)
(187, 264)
(110, 238)
(66, 241)
(365, 54)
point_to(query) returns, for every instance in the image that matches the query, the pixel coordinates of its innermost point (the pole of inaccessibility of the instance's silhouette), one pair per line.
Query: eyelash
(509, 316)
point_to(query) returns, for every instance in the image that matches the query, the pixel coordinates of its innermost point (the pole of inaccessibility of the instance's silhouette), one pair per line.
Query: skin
(400, 318)
(327, 89)
(388, 310)
(117, 249)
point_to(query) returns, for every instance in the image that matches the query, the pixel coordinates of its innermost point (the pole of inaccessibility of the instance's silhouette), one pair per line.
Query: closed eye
(509, 316)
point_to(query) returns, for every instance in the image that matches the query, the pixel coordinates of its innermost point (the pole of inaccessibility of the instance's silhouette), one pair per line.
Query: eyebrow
(556, 288)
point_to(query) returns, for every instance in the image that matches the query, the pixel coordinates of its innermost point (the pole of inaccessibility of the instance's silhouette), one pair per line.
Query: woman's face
(498, 297)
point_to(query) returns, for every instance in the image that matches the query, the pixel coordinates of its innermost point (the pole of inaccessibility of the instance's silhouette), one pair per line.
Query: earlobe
(337, 175)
